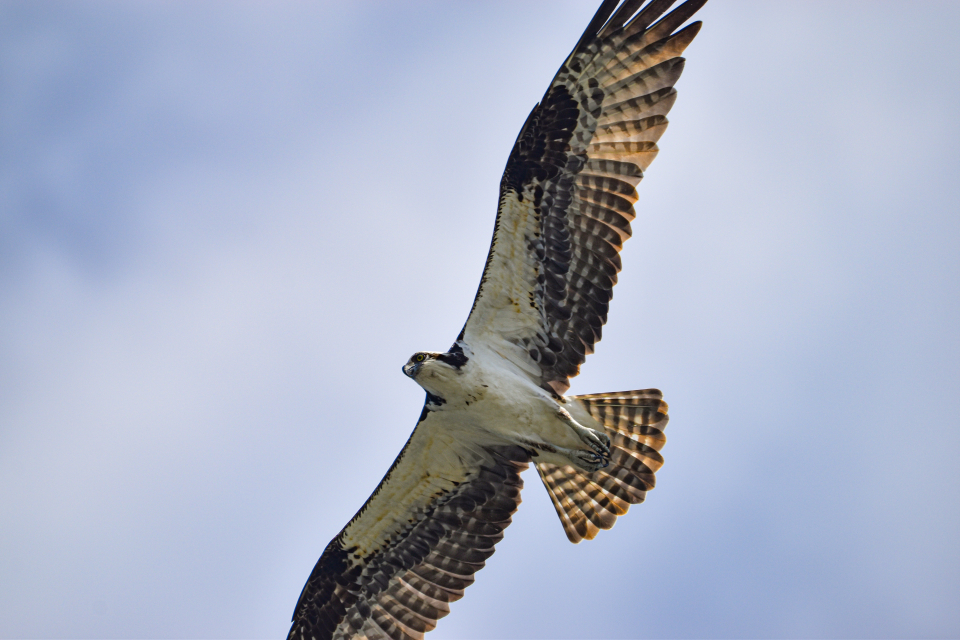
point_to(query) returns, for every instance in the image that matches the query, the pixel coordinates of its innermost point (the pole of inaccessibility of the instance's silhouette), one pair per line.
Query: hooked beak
(410, 370)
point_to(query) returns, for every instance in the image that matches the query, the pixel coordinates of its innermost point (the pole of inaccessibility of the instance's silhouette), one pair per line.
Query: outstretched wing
(416, 543)
(567, 194)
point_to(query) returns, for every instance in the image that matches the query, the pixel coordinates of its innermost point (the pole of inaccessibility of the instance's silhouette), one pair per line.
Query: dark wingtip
(675, 18)
(593, 29)
(621, 17)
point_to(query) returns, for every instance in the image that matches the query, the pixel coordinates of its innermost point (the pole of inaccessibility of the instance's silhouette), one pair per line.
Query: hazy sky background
(224, 228)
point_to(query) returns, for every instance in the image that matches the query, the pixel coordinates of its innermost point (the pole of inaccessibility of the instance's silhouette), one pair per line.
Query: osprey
(495, 400)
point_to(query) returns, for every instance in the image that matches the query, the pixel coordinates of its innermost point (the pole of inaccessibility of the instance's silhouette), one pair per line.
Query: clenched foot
(598, 441)
(589, 461)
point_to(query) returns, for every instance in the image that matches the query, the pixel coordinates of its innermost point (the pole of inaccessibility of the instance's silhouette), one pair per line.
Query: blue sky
(224, 228)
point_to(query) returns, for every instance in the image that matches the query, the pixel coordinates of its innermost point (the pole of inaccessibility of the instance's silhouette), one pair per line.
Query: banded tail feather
(589, 502)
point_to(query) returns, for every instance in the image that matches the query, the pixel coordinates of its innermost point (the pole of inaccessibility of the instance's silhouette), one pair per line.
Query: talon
(598, 441)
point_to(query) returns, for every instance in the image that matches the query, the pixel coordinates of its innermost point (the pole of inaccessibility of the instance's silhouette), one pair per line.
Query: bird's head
(435, 371)
(419, 361)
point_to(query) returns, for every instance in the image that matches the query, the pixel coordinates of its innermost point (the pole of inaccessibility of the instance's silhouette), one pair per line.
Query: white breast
(497, 402)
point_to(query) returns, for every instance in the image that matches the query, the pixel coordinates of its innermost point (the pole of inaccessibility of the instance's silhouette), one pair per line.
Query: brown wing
(567, 194)
(416, 543)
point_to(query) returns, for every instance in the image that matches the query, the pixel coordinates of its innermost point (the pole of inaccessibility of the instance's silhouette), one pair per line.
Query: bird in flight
(495, 400)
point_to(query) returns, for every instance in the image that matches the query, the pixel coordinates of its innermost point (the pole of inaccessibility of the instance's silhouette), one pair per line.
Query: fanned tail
(588, 502)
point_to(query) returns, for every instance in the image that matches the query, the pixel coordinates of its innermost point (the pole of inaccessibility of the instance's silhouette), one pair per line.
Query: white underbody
(495, 402)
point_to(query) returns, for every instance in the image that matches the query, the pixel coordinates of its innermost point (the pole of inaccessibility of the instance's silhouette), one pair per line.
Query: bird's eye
(420, 357)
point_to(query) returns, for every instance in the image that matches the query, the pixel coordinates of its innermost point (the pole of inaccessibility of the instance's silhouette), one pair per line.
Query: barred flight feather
(401, 587)
(589, 502)
(567, 193)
